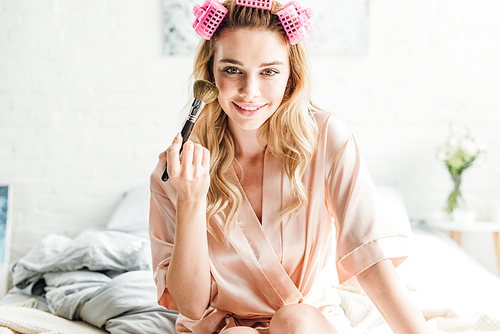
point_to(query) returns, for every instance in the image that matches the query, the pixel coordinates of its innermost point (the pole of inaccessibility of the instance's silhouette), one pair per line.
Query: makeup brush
(204, 92)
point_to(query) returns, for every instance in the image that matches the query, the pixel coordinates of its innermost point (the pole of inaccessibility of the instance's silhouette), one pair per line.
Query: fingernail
(178, 136)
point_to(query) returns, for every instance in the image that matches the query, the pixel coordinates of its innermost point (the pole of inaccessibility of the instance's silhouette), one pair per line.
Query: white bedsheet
(445, 276)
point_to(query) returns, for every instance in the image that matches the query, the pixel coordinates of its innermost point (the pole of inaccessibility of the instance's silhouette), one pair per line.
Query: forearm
(188, 278)
(392, 298)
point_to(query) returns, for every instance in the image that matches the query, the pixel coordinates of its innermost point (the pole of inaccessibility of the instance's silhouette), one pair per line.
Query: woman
(242, 233)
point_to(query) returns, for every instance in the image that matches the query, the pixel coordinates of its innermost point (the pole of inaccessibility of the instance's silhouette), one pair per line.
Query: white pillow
(395, 209)
(132, 214)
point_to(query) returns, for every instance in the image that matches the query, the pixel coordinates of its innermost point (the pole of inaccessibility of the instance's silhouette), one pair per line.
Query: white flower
(469, 146)
(460, 151)
(443, 153)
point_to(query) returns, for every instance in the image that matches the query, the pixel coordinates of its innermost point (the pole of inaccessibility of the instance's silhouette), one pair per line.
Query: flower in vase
(458, 153)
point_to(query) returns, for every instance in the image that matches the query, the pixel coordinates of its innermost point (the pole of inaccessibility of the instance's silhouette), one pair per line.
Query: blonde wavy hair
(291, 132)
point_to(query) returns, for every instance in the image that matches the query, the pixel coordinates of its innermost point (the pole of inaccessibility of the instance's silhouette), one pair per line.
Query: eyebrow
(233, 61)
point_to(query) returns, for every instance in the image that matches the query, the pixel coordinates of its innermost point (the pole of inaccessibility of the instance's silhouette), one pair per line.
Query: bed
(101, 281)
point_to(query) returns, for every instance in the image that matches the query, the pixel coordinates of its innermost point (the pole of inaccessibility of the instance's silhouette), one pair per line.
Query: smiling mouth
(246, 108)
(249, 109)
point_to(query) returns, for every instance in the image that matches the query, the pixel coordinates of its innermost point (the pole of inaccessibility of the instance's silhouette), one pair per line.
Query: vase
(463, 216)
(455, 200)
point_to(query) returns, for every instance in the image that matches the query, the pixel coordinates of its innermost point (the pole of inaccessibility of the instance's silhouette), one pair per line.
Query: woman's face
(251, 69)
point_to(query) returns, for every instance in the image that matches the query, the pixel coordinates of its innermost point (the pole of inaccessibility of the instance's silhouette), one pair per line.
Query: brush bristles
(205, 91)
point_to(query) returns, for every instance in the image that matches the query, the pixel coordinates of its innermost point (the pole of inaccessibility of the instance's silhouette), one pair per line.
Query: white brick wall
(87, 101)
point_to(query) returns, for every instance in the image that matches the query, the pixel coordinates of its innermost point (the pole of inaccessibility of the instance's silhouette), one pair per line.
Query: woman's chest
(253, 192)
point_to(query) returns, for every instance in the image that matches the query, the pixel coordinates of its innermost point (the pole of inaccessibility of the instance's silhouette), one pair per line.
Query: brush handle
(196, 109)
(186, 131)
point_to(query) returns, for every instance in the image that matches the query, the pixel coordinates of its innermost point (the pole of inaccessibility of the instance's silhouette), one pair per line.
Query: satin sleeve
(162, 215)
(364, 235)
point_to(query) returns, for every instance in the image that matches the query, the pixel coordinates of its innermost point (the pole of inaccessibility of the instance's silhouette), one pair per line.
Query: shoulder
(333, 130)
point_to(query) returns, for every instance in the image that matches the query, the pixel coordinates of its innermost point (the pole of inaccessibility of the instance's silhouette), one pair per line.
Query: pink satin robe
(340, 233)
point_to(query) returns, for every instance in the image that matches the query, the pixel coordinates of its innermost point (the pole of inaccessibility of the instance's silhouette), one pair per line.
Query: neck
(248, 146)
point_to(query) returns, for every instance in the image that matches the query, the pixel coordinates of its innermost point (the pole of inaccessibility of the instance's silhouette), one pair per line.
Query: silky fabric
(271, 263)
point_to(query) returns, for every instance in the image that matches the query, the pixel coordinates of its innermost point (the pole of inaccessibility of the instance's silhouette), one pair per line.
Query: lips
(249, 109)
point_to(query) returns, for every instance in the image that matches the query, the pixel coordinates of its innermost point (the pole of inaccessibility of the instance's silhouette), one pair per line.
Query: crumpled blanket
(365, 318)
(101, 277)
(94, 251)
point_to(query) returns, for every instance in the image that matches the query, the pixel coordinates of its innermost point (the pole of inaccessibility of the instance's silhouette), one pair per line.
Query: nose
(249, 87)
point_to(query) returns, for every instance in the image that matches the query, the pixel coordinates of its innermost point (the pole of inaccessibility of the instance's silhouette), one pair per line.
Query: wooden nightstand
(477, 226)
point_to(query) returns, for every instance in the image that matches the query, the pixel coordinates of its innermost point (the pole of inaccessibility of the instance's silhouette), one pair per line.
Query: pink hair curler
(296, 21)
(208, 17)
(264, 4)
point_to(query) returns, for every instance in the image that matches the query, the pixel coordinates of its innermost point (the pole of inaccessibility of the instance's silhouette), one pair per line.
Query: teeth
(249, 109)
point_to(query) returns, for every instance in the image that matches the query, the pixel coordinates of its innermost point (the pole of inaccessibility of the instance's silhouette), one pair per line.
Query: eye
(232, 70)
(270, 72)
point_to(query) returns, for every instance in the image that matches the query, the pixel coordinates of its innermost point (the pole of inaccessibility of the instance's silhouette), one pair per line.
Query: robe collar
(259, 244)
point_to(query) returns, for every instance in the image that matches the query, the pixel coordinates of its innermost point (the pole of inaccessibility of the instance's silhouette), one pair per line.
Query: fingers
(177, 138)
(206, 158)
(198, 154)
(172, 153)
(189, 173)
(195, 154)
(194, 159)
(187, 153)
(192, 155)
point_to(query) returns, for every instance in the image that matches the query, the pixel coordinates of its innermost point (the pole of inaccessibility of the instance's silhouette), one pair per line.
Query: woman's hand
(189, 174)
(188, 277)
